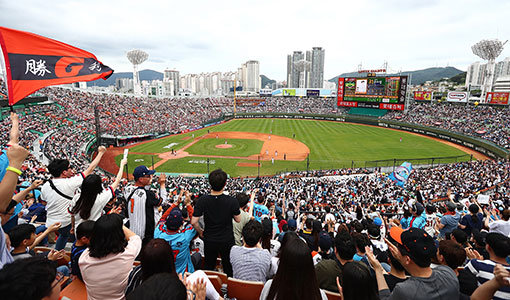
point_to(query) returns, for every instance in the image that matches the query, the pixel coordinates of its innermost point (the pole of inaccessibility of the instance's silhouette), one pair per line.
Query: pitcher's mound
(223, 146)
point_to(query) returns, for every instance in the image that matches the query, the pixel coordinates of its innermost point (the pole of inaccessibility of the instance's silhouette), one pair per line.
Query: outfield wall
(480, 145)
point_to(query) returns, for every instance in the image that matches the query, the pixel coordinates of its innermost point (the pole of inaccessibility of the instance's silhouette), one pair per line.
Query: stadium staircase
(370, 112)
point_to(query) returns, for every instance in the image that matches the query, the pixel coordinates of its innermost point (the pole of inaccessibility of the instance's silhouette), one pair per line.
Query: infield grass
(332, 145)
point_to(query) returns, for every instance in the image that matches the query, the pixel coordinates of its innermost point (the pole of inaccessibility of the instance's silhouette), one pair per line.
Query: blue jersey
(259, 210)
(419, 221)
(404, 222)
(180, 242)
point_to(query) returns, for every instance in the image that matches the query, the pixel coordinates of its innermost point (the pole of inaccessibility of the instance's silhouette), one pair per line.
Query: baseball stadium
(362, 191)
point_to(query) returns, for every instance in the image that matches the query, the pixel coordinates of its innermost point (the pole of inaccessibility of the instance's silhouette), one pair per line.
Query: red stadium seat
(333, 296)
(216, 282)
(244, 290)
(76, 290)
(222, 276)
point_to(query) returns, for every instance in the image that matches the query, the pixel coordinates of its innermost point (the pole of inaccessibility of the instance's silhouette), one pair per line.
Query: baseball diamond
(316, 144)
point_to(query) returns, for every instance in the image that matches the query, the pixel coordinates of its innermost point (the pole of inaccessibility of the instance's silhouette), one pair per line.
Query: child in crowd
(83, 234)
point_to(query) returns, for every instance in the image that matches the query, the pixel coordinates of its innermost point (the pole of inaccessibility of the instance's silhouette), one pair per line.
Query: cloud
(206, 36)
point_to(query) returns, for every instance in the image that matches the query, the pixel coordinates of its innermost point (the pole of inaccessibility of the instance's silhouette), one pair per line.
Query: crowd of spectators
(486, 122)
(352, 232)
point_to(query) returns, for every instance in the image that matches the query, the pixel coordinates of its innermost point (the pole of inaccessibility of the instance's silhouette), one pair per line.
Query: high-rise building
(476, 72)
(306, 70)
(172, 75)
(252, 76)
(317, 71)
(294, 76)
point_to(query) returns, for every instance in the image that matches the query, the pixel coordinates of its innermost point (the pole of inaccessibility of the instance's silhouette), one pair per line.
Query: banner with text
(497, 98)
(457, 97)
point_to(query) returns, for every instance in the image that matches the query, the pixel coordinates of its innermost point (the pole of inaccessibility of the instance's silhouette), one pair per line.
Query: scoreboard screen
(372, 92)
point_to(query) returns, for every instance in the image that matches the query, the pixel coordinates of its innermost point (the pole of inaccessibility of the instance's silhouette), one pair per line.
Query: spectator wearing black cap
(449, 221)
(498, 247)
(478, 242)
(327, 270)
(170, 229)
(141, 202)
(415, 249)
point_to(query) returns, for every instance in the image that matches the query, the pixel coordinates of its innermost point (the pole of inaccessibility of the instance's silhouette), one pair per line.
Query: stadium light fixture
(136, 57)
(488, 50)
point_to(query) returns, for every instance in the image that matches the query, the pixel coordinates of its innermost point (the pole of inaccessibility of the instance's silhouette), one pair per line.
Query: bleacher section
(371, 112)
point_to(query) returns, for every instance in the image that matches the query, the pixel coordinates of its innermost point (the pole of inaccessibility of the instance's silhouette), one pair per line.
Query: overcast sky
(205, 35)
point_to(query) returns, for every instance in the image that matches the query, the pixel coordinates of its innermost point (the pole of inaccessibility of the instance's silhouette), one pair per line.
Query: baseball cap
(174, 219)
(418, 245)
(292, 224)
(325, 241)
(377, 221)
(141, 171)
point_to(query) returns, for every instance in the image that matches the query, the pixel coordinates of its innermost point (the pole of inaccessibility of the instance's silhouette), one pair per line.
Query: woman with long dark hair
(90, 202)
(295, 278)
(106, 264)
(156, 258)
(273, 246)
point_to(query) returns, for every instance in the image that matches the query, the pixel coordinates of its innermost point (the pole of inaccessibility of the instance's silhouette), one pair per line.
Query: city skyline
(216, 36)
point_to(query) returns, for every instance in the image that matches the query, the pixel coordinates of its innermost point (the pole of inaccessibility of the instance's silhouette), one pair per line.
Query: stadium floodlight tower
(303, 66)
(488, 50)
(136, 57)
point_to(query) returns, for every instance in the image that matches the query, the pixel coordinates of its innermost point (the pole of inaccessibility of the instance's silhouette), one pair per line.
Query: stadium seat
(244, 290)
(222, 276)
(40, 249)
(216, 282)
(333, 296)
(76, 290)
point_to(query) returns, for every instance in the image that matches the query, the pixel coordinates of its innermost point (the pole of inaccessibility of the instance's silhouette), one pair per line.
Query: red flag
(33, 62)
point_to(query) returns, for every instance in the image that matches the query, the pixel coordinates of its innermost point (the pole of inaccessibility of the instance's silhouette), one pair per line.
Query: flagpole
(4, 78)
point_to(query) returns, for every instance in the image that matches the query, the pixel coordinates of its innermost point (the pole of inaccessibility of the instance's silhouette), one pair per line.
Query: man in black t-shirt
(218, 210)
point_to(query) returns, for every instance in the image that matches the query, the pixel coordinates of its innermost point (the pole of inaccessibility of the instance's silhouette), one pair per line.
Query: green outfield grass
(331, 144)
(240, 147)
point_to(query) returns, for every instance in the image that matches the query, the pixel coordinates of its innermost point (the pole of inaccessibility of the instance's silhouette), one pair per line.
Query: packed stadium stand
(245, 237)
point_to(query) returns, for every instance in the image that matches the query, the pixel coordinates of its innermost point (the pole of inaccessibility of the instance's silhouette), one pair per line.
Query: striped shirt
(483, 270)
(253, 264)
(141, 204)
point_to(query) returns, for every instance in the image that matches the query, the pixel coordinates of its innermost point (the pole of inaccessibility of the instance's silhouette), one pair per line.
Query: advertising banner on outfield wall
(312, 93)
(497, 98)
(457, 97)
(289, 92)
(422, 95)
